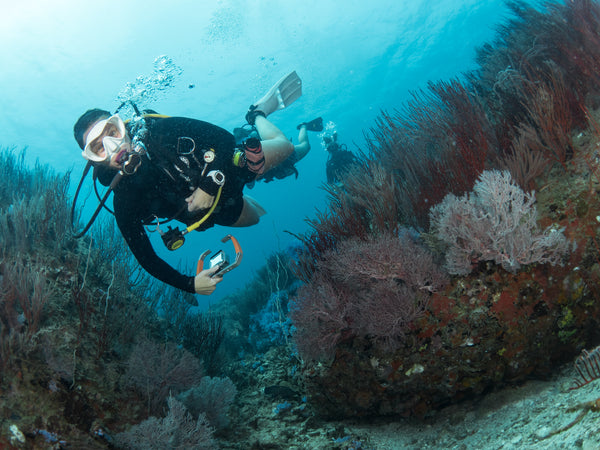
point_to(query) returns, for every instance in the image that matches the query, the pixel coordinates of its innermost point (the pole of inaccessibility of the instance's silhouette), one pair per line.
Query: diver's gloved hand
(205, 283)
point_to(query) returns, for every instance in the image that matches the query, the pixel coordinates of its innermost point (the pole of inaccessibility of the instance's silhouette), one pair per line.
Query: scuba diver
(339, 161)
(164, 168)
(301, 149)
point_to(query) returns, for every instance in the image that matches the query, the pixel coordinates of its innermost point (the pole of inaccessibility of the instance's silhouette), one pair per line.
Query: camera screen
(217, 259)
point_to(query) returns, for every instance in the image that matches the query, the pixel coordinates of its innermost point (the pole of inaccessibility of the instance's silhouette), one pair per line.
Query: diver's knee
(251, 213)
(285, 145)
(252, 203)
(301, 150)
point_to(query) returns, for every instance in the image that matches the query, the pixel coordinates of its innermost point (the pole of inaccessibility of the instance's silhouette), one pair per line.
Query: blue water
(355, 58)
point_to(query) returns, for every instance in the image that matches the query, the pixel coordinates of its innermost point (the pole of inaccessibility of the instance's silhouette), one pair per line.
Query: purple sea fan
(212, 397)
(159, 370)
(320, 314)
(387, 257)
(496, 222)
(373, 288)
(178, 429)
(387, 311)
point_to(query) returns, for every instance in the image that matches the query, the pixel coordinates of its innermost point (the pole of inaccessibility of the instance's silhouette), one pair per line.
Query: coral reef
(495, 173)
(83, 352)
(523, 255)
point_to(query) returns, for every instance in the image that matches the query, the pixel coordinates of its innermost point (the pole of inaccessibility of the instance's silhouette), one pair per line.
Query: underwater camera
(221, 259)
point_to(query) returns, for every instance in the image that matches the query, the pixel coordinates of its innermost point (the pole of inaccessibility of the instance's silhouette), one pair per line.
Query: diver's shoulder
(189, 124)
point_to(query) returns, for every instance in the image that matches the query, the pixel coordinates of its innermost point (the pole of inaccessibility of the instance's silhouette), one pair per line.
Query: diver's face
(106, 140)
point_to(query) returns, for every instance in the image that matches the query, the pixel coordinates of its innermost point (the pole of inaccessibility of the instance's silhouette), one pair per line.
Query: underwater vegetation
(462, 254)
(90, 348)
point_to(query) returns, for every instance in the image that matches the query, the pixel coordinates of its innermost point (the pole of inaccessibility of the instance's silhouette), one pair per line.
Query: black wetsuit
(339, 162)
(174, 165)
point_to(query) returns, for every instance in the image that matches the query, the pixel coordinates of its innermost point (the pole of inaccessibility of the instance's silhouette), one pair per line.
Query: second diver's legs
(303, 146)
(276, 147)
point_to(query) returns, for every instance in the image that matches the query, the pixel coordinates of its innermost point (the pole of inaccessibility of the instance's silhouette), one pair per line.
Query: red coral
(438, 144)
(505, 308)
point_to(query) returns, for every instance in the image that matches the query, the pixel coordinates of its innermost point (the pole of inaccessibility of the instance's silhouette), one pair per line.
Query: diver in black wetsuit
(339, 161)
(184, 169)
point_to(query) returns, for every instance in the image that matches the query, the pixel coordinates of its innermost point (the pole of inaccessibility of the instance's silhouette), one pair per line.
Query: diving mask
(106, 139)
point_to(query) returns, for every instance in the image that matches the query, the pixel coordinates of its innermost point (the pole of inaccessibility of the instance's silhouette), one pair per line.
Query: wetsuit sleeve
(207, 185)
(141, 247)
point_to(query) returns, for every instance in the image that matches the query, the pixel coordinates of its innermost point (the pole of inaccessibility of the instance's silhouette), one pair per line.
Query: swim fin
(281, 95)
(313, 125)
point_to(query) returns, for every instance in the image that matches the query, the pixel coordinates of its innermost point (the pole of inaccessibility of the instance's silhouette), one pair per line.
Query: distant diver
(339, 160)
(164, 168)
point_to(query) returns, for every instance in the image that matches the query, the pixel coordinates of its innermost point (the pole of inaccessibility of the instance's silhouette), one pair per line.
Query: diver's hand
(204, 283)
(199, 200)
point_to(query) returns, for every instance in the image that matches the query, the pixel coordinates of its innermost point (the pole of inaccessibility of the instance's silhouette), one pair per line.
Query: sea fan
(588, 368)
